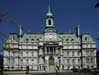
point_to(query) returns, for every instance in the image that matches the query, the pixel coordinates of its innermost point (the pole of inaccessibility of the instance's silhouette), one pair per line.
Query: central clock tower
(49, 22)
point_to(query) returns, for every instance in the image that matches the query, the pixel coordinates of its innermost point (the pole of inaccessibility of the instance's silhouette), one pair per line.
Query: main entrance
(51, 64)
(51, 60)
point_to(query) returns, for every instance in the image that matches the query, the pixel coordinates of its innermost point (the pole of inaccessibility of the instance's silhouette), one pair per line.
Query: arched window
(49, 22)
(37, 39)
(27, 40)
(51, 60)
(86, 38)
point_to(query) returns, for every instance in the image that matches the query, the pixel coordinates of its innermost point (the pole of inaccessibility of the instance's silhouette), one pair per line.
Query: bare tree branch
(97, 5)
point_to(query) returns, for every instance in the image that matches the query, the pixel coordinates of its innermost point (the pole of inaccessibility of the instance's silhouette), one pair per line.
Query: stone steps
(65, 73)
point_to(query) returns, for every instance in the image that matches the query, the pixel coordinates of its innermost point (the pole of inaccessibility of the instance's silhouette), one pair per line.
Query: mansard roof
(64, 37)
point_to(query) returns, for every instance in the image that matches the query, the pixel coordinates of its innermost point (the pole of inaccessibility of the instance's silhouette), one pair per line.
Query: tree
(5, 20)
(98, 39)
(97, 5)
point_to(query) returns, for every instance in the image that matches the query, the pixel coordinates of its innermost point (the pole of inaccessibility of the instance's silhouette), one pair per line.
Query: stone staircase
(52, 74)
(45, 73)
(51, 69)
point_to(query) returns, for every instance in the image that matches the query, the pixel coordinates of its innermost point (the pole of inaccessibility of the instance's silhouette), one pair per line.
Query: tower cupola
(49, 21)
(49, 18)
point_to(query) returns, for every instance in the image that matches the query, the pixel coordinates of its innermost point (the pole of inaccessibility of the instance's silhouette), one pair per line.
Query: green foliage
(97, 5)
(97, 38)
(1, 20)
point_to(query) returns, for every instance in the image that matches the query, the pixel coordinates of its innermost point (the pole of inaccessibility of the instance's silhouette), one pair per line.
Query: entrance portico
(51, 64)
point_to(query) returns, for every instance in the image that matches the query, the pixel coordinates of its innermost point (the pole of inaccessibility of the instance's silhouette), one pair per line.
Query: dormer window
(37, 39)
(67, 39)
(86, 38)
(72, 39)
(27, 40)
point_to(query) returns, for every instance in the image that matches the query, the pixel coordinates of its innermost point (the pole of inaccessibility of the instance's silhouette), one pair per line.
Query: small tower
(20, 30)
(49, 22)
(78, 30)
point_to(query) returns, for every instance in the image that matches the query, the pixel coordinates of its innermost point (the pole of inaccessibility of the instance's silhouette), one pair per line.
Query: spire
(49, 21)
(49, 14)
(20, 30)
(49, 10)
(78, 30)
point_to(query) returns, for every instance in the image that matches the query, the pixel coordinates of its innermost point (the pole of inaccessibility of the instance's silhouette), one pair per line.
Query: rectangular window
(32, 59)
(27, 53)
(79, 61)
(68, 67)
(68, 60)
(67, 53)
(73, 61)
(91, 60)
(32, 53)
(21, 53)
(47, 49)
(21, 61)
(51, 49)
(72, 53)
(87, 60)
(78, 53)
(26, 61)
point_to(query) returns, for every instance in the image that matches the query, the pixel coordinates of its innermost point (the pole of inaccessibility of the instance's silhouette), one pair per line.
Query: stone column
(53, 50)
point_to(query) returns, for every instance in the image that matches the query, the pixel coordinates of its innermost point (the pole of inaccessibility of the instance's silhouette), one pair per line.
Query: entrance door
(51, 64)
(51, 60)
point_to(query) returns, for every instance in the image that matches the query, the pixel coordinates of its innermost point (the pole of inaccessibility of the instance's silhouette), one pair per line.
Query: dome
(49, 12)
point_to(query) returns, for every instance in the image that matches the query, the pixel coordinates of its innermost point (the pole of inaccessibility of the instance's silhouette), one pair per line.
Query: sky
(67, 15)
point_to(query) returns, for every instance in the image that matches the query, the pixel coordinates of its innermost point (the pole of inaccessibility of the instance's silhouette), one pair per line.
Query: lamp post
(2, 66)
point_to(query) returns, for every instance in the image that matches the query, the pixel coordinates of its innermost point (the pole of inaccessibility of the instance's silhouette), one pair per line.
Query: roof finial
(49, 13)
(49, 10)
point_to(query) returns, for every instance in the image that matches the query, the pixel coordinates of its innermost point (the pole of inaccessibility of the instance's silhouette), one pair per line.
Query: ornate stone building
(50, 49)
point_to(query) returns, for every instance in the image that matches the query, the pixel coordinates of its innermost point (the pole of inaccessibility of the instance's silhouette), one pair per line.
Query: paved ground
(65, 73)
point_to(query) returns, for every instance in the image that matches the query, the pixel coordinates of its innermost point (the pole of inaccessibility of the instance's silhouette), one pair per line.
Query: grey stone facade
(49, 50)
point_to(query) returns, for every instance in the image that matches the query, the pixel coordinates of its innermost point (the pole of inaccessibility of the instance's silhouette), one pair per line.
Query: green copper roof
(87, 38)
(69, 38)
(36, 37)
(31, 37)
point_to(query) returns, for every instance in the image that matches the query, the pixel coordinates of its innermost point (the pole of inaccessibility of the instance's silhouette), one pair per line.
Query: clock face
(50, 36)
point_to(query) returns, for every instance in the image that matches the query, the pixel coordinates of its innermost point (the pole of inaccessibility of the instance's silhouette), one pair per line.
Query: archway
(51, 60)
